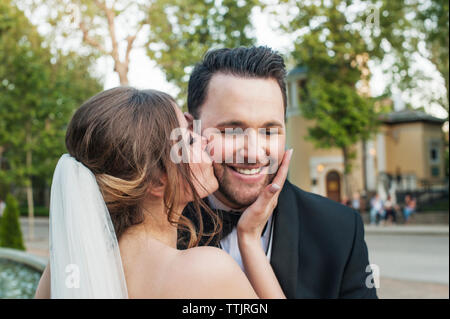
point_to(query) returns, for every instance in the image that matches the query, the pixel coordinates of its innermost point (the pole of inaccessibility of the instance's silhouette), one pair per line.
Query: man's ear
(157, 189)
(190, 119)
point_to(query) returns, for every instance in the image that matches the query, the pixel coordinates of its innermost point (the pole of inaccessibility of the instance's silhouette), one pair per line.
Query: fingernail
(274, 188)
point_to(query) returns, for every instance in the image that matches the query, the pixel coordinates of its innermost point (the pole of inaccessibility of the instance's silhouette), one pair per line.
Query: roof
(409, 116)
(297, 72)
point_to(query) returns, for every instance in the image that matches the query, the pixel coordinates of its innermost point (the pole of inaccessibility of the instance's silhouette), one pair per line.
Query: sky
(144, 73)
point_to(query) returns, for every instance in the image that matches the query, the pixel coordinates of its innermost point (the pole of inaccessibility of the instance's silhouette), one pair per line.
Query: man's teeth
(248, 171)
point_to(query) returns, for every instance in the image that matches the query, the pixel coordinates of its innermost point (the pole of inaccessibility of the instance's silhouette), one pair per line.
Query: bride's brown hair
(123, 136)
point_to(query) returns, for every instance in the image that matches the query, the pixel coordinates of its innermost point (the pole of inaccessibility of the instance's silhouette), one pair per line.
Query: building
(407, 154)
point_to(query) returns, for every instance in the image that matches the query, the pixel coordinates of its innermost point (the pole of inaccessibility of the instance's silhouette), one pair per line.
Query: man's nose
(255, 148)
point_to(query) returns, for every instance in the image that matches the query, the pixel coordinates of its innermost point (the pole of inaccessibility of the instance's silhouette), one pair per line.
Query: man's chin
(240, 197)
(238, 193)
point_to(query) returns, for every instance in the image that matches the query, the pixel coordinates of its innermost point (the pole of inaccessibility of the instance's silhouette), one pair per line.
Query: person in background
(376, 209)
(346, 201)
(391, 215)
(356, 202)
(410, 207)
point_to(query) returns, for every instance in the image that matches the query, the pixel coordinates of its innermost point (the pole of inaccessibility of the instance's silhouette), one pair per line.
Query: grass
(40, 211)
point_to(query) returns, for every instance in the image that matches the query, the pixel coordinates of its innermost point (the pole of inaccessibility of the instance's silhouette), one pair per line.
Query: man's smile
(247, 173)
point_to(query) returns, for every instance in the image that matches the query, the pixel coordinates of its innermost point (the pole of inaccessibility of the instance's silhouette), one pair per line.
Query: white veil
(84, 253)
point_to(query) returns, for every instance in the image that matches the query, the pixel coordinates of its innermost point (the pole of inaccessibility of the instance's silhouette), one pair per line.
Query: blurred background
(368, 101)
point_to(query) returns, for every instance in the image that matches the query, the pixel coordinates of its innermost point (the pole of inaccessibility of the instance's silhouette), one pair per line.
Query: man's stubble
(239, 197)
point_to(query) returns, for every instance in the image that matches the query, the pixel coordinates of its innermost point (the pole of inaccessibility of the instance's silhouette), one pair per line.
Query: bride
(116, 205)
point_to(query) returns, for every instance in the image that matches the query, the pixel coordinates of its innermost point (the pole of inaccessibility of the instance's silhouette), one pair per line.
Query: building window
(434, 155)
(434, 171)
(434, 152)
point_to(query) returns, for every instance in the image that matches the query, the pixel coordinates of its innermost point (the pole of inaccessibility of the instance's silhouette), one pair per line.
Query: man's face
(254, 106)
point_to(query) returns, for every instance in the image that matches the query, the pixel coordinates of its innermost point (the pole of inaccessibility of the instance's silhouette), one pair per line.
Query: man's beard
(238, 194)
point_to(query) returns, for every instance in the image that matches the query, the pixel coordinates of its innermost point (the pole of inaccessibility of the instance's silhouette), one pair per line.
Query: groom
(316, 246)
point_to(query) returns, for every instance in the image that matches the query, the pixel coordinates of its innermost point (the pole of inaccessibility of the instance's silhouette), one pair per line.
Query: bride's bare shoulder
(208, 259)
(163, 272)
(208, 272)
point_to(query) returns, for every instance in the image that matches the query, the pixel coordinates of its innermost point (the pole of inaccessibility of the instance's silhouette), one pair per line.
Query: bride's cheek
(216, 149)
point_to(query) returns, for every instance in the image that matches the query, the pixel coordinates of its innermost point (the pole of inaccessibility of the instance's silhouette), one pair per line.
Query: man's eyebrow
(231, 123)
(242, 124)
(273, 124)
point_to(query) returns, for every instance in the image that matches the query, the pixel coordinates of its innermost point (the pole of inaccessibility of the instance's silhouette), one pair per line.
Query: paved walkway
(39, 244)
(429, 230)
(409, 289)
(413, 259)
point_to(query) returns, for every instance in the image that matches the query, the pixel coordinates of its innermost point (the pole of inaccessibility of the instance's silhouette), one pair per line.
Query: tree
(10, 231)
(183, 31)
(342, 118)
(409, 29)
(38, 93)
(96, 24)
(336, 93)
(177, 32)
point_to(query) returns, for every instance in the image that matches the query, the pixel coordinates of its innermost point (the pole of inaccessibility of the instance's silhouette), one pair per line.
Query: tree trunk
(1, 156)
(348, 189)
(121, 67)
(364, 164)
(122, 70)
(123, 76)
(29, 188)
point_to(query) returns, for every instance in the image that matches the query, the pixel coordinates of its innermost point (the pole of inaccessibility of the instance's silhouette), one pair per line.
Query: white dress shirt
(230, 242)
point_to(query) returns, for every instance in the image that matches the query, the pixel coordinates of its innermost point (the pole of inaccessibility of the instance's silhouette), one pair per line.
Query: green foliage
(39, 90)
(182, 31)
(335, 56)
(342, 116)
(10, 232)
(331, 47)
(408, 28)
(40, 211)
(177, 32)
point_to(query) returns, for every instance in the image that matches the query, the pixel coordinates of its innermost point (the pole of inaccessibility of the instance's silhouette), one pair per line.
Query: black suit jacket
(318, 248)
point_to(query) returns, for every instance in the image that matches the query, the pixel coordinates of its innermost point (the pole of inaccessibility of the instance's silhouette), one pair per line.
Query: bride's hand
(254, 218)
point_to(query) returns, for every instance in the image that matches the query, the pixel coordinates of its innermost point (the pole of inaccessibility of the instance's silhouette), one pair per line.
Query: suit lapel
(285, 247)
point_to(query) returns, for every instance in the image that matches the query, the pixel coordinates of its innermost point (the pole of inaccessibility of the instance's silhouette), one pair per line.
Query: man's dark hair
(247, 62)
